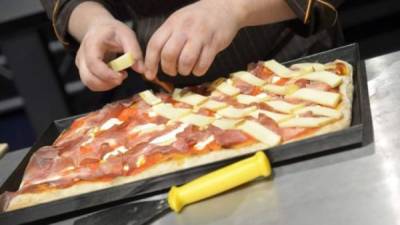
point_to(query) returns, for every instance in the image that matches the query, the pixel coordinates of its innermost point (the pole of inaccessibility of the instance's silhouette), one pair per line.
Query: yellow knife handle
(219, 181)
(123, 62)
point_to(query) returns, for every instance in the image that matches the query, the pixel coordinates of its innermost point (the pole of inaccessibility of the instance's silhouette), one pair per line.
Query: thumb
(130, 44)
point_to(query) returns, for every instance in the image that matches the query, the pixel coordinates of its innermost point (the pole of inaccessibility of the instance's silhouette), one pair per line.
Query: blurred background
(39, 83)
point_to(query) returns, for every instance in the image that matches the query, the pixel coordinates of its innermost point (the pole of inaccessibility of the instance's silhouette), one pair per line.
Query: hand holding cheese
(101, 38)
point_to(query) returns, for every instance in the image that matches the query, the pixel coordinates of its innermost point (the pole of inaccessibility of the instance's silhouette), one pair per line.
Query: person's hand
(188, 41)
(102, 40)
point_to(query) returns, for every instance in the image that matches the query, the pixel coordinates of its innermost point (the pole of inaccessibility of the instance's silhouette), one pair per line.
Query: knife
(3, 149)
(206, 186)
(127, 60)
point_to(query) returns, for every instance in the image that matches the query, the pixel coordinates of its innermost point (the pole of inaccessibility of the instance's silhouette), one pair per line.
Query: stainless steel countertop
(360, 186)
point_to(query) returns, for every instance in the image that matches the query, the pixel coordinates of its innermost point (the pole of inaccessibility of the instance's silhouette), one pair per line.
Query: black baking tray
(358, 134)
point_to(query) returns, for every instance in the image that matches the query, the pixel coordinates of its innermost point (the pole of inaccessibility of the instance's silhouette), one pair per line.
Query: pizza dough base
(30, 199)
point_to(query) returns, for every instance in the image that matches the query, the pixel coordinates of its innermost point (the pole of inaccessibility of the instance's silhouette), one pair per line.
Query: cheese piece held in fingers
(123, 62)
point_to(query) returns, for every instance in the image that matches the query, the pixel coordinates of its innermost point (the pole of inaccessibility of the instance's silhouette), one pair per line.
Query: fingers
(90, 80)
(207, 56)
(93, 61)
(130, 44)
(153, 52)
(188, 57)
(170, 53)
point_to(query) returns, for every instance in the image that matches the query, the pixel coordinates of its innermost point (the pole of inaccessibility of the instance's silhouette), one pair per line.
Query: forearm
(86, 15)
(259, 12)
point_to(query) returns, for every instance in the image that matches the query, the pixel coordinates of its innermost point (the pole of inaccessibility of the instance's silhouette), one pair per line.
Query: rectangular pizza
(152, 134)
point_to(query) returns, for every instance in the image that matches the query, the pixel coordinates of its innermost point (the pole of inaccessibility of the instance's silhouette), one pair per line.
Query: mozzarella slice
(149, 97)
(202, 144)
(306, 122)
(227, 88)
(308, 67)
(320, 111)
(190, 98)
(198, 120)
(278, 68)
(283, 106)
(147, 128)
(117, 151)
(277, 117)
(213, 105)
(176, 93)
(110, 123)
(280, 89)
(232, 112)
(225, 123)
(327, 77)
(123, 62)
(260, 133)
(140, 161)
(330, 99)
(169, 137)
(168, 111)
(248, 99)
(275, 89)
(249, 78)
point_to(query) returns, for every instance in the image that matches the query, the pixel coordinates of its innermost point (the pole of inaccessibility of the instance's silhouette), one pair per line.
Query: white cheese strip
(115, 152)
(308, 67)
(170, 112)
(202, 144)
(227, 88)
(249, 78)
(190, 98)
(275, 79)
(151, 113)
(225, 123)
(275, 89)
(149, 97)
(327, 77)
(278, 69)
(236, 113)
(306, 122)
(260, 133)
(248, 99)
(110, 123)
(283, 106)
(330, 99)
(88, 141)
(140, 161)
(198, 120)
(169, 137)
(213, 105)
(176, 93)
(147, 128)
(277, 117)
(320, 111)
(123, 62)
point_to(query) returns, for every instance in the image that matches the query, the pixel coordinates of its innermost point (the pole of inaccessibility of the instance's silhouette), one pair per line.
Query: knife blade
(206, 186)
(3, 149)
